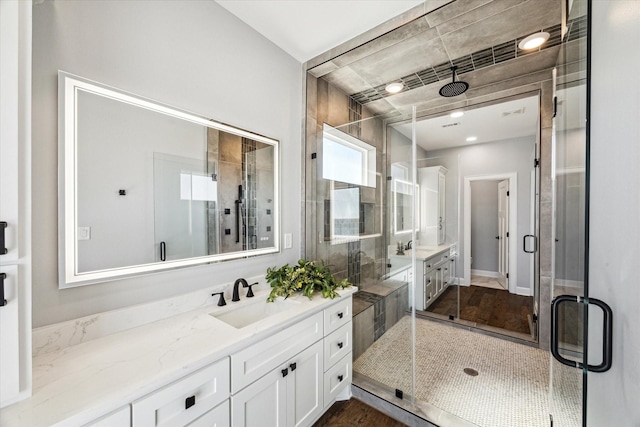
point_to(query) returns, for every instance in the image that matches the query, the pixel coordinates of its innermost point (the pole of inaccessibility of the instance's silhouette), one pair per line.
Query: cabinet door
(305, 389)
(442, 233)
(263, 403)
(9, 335)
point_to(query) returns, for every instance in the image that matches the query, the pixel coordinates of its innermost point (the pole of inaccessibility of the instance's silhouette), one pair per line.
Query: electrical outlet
(84, 233)
(287, 240)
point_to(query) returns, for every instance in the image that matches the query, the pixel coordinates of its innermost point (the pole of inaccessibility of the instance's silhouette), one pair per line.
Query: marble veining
(77, 384)
(58, 336)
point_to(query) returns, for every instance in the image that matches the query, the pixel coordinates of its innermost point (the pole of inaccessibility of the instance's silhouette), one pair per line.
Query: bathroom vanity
(434, 267)
(247, 363)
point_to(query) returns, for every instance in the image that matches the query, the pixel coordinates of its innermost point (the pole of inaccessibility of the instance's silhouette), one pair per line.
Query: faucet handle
(250, 291)
(221, 301)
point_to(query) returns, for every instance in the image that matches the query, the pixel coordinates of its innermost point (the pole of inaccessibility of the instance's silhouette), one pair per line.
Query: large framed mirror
(146, 187)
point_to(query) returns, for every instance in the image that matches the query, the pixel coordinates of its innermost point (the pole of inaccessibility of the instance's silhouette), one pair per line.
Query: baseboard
(523, 291)
(485, 273)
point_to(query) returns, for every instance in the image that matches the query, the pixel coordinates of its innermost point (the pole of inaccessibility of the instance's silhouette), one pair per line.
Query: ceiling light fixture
(394, 87)
(472, 138)
(457, 114)
(533, 41)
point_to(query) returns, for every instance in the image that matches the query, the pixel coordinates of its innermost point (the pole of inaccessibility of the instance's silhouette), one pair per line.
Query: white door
(503, 233)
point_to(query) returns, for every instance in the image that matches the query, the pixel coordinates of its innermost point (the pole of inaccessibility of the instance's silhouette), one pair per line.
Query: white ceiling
(512, 119)
(306, 28)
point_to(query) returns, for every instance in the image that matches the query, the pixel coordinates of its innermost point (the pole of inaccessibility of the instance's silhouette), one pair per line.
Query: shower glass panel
(570, 198)
(182, 192)
(349, 193)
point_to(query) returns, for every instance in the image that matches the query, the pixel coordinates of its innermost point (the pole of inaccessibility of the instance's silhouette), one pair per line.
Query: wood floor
(355, 413)
(493, 307)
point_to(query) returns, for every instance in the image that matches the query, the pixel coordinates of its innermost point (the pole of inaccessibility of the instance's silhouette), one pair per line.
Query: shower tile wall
(361, 260)
(230, 177)
(213, 211)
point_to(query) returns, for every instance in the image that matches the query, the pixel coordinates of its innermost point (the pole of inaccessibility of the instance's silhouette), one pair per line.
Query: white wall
(614, 245)
(190, 54)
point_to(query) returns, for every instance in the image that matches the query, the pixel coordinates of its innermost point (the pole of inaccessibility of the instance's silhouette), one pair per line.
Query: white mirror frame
(69, 276)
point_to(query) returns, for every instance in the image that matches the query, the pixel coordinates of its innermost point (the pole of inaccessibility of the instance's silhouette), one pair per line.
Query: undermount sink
(248, 314)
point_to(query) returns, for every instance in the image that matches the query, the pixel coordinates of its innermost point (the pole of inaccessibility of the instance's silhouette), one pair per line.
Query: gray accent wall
(193, 55)
(484, 225)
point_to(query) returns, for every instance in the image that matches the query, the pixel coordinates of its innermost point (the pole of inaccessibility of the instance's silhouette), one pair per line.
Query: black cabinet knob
(340, 344)
(340, 378)
(340, 314)
(189, 402)
(285, 372)
(293, 366)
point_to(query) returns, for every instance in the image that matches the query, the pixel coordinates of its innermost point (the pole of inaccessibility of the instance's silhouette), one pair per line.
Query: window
(347, 159)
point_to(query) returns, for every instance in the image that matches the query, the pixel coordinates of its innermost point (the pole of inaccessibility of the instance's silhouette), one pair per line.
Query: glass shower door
(570, 186)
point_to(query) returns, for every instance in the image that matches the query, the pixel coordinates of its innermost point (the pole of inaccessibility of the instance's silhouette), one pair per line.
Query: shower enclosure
(389, 213)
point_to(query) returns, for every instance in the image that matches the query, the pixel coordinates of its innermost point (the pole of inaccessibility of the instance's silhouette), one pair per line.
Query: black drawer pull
(340, 378)
(340, 344)
(285, 372)
(340, 315)
(189, 402)
(3, 301)
(3, 249)
(163, 251)
(293, 366)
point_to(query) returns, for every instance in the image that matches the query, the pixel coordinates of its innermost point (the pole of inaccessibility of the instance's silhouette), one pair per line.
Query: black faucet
(236, 294)
(409, 245)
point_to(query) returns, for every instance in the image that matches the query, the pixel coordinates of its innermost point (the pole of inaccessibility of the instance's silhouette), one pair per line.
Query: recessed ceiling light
(394, 87)
(533, 41)
(472, 138)
(457, 114)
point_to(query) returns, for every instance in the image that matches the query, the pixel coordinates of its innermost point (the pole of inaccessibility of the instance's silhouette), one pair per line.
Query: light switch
(84, 233)
(287, 240)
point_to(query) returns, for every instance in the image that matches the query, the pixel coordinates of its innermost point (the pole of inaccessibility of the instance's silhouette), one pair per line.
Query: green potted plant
(306, 277)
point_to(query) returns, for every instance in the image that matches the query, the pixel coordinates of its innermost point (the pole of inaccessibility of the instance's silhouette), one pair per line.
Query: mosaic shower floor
(511, 388)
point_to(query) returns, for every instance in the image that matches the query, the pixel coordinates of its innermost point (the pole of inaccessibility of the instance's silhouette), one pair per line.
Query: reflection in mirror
(145, 187)
(403, 206)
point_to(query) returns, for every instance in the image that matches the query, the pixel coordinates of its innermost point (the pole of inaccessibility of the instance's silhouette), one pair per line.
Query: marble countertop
(400, 262)
(78, 384)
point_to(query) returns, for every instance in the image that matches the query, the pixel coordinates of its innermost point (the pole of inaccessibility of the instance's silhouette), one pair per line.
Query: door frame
(512, 177)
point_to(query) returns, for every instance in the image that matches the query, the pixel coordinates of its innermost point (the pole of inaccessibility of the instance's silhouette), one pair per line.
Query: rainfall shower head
(454, 88)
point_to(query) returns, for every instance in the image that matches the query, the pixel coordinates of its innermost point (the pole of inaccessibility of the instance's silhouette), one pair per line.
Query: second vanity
(205, 367)
(434, 266)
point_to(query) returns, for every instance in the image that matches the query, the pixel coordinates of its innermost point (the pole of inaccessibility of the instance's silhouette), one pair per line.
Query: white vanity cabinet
(436, 273)
(290, 378)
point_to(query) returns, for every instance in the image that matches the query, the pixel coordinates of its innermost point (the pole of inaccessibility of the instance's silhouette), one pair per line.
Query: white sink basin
(248, 314)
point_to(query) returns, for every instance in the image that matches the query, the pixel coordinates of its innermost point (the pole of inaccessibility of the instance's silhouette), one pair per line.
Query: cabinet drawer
(337, 345)
(217, 417)
(337, 378)
(337, 315)
(119, 418)
(185, 400)
(435, 260)
(253, 362)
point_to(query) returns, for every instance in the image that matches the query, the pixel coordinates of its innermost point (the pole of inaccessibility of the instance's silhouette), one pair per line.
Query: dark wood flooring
(486, 306)
(354, 412)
